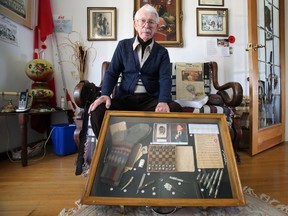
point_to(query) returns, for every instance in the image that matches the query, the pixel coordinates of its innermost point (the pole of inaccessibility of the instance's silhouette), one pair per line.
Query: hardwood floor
(47, 186)
(267, 172)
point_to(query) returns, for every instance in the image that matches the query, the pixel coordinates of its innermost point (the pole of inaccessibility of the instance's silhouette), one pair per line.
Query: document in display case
(163, 159)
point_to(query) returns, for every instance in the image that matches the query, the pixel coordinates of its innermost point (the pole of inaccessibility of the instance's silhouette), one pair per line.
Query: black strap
(83, 138)
(91, 93)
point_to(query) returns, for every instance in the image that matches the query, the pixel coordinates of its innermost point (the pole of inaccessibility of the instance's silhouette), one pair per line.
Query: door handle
(257, 46)
(254, 46)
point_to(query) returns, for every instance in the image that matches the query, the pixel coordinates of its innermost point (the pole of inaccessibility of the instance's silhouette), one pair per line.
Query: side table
(23, 119)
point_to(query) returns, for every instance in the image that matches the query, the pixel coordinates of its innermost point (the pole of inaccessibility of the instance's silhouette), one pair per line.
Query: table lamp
(40, 71)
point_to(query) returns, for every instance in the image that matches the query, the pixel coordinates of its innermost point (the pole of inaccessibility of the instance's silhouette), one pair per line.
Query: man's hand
(162, 107)
(103, 99)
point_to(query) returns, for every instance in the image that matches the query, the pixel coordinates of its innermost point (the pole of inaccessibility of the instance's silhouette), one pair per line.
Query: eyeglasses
(142, 22)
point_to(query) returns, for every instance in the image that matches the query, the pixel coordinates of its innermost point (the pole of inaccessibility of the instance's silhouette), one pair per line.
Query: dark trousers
(137, 102)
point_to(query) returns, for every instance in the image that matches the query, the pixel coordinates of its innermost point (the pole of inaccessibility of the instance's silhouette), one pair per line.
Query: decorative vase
(40, 71)
(41, 92)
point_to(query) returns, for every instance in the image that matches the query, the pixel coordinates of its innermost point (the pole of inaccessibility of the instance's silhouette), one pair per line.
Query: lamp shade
(39, 70)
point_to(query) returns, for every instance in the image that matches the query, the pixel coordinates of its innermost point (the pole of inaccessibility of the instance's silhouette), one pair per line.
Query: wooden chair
(86, 92)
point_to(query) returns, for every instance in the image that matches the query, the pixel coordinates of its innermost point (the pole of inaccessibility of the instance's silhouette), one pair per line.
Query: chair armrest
(85, 93)
(236, 98)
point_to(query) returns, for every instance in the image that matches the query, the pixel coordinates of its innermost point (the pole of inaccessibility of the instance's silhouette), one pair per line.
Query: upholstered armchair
(222, 102)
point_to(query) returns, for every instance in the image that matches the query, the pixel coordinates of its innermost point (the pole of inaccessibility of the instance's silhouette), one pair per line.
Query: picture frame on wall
(19, 11)
(212, 22)
(169, 32)
(211, 2)
(101, 23)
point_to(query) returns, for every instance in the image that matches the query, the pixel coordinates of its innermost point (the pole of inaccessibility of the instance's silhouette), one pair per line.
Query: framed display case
(163, 159)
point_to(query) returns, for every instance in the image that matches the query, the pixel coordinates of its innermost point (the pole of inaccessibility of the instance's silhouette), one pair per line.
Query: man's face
(145, 25)
(179, 128)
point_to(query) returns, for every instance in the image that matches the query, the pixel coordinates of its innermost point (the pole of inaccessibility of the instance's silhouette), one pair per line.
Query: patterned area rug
(256, 205)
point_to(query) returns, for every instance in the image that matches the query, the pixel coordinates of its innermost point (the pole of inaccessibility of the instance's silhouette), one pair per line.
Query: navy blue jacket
(155, 72)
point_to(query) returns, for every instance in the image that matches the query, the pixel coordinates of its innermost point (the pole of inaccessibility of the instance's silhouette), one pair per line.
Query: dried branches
(79, 53)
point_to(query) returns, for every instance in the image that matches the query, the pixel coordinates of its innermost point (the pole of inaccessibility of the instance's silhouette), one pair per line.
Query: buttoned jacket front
(155, 72)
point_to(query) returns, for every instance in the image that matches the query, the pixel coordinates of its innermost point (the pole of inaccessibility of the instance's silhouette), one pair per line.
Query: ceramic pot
(39, 70)
(40, 91)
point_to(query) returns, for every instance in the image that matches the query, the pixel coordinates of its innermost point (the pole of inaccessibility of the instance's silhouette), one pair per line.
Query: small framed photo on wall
(101, 23)
(19, 11)
(212, 22)
(211, 2)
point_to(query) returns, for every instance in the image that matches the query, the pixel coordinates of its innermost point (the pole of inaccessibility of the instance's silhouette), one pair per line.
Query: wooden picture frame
(171, 16)
(20, 13)
(212, 22)
(101, 23)
(110, 183)
(211, 2)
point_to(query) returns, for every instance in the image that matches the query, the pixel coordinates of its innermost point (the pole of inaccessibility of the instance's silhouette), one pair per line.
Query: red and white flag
(44, 27)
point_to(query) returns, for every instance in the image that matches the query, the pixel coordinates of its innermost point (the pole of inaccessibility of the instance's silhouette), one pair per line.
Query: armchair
(221, 102)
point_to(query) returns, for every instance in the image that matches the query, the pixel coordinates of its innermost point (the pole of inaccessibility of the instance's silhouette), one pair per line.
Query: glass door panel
(268, 60)
(267, 66)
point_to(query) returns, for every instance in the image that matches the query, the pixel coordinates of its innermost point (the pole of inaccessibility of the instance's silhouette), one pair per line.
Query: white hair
(150, 9)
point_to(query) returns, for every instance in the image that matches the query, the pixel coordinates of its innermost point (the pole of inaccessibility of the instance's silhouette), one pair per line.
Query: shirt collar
(137, 43)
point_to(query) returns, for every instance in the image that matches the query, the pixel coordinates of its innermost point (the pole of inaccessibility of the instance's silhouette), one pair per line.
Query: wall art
(170, 26)
(211, 2)
(212, 22)
(18, 11)
(101, 23)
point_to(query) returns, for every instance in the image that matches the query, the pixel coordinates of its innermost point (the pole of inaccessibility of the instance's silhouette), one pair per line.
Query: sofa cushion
(228, 111)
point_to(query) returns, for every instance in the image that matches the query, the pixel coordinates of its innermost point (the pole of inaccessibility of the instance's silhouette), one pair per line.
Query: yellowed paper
(208, 152)
(185, 159)
(189, 81)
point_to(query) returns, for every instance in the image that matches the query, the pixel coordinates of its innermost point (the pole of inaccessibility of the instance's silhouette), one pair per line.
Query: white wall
(13, 59)
(233, 68)
(194, 50)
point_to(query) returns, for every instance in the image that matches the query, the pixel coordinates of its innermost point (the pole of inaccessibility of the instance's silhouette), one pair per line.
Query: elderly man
(146, 73)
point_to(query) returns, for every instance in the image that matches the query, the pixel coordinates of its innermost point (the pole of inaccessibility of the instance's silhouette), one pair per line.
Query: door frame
(261, 139)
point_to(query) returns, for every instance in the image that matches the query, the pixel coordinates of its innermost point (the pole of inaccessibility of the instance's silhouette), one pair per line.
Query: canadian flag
(44, 27)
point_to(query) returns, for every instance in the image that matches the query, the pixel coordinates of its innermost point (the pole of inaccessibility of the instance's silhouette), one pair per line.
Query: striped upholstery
(173, 91)
(206, 108)
(213, 109)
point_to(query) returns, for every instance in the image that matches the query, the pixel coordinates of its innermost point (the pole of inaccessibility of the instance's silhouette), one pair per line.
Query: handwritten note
(208, 152)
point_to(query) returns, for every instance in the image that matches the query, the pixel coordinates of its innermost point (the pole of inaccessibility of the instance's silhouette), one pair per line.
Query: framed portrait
(169, 32)
(212, 22)
(18, 11)
(211, 2)
(101, 23)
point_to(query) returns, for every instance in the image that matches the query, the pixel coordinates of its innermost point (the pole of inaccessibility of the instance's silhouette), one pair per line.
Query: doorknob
(257, 46)
(254, 46)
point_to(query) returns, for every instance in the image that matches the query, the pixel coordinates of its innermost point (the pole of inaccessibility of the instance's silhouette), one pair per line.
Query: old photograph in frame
(18, 11)
(101, 23)
(212, 22)
(170, 26)
(170, 133)
(128, 169)
(211, 2)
